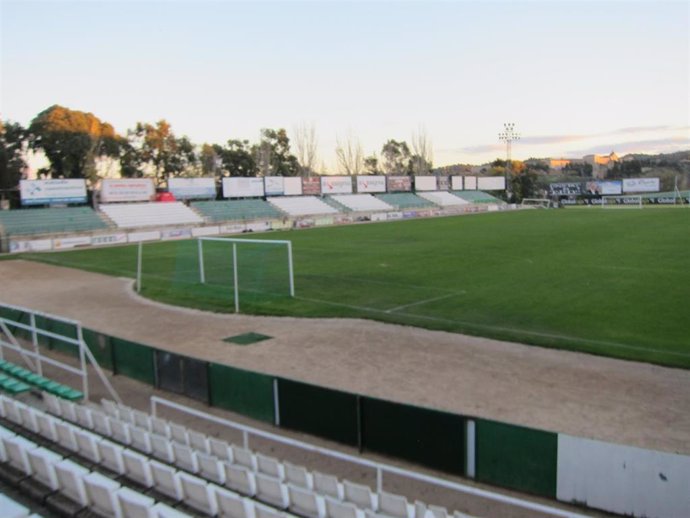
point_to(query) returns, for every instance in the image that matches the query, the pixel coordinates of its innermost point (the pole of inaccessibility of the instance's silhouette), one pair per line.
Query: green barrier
(100, 346)
(133, 360)
(240, 391)
(63, 329)
(516, 457)
(319, 411)
(427, 437)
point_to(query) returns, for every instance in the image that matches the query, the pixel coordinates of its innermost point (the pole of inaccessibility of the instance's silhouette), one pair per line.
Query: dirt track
(612, 400)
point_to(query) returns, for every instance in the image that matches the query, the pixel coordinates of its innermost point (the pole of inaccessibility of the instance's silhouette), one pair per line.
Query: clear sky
(575, 77)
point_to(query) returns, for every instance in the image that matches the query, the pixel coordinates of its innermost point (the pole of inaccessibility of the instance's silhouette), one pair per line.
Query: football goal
(218, 270)
(536, 203)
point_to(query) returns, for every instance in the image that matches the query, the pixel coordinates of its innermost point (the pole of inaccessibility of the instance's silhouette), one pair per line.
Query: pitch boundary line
(420, 302)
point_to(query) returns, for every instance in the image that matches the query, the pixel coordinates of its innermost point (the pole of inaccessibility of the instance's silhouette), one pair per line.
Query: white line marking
(420, 302)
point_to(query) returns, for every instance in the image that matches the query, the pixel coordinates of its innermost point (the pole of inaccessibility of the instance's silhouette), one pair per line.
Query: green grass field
(609, 282)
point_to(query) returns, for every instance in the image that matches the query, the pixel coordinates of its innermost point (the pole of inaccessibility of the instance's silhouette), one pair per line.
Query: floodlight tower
(508, 135)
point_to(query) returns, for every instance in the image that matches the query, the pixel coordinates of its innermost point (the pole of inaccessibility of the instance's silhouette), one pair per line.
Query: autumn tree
(12, 143)
(72, 141)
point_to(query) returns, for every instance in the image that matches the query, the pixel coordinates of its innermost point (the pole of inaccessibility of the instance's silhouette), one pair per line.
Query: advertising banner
(565, 189)
(470, 183)
(641, 185)
(129, 189)
(109, 239)
(491, 183)
(311, 186)
(456, 183)
(371, 184)
(604, 187)
(47, 192)
(336, 184)
(192, 188)
(443, 183)
(274, 185)
(425, 183)
(241, 187)
(32, 245)
(64, 243)
(399, 183)
(292, 186)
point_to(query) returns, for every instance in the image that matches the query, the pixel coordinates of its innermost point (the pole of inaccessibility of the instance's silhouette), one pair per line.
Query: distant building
(557, 164)
(601, 163)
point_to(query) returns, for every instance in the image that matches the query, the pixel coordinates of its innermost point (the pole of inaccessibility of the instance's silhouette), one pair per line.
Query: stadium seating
(16, 379)
(47, 221)
(443, 198)
(134, 215)
(234, 210)
(361, 202)
(476, 196)
(404, 200)
(302, 205)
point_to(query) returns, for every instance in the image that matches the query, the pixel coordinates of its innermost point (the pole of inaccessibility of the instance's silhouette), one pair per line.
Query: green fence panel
(63, 329)
(133, 360)
(244, 392)
(424, 436)
(318, 411)
(100, 346)
(516, 457)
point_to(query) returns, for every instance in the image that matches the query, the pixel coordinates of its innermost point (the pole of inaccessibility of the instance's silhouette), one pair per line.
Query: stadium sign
(399, 183)
(311, 186)
(336, 184)
(243, 187)
(491, 183)
(192, 188)
(641, 185)
(274, 185)
(565, 189)
(456, 183)
(425, 183)
(604, 187)
(371, 184)
(130, 189)
(52, 192)
(292, 186)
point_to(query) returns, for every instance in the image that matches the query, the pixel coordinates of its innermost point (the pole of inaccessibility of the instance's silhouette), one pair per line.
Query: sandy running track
(588, 396)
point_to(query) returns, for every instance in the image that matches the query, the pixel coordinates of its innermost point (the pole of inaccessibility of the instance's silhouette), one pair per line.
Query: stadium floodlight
(508, 135)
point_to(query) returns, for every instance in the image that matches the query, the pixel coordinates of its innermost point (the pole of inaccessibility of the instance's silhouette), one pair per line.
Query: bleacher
(302, 205)
(47, 221)
(443, 198)
(404, 200)
(361, 202)
(476, 196)
(216, 211)
(134, 215)
(112, 460)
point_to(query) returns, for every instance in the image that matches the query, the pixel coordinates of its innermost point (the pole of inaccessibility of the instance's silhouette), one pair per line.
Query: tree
(210, 159)
(272, 154)
(421, 161)
(396, 157)
(350, 156)
(306, 143)
(371, 164)
(13, 139)
(237, 158)
(72, 141)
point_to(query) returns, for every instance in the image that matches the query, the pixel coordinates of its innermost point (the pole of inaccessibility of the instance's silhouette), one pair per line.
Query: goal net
(217, 273)
(537, 203)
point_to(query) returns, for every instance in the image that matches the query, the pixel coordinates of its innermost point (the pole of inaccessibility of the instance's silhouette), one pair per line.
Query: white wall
(623, 479)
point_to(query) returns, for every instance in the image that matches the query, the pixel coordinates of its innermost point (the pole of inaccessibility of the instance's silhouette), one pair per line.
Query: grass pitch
(609, 282)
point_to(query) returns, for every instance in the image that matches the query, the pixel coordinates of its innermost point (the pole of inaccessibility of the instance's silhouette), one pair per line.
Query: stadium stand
(361, 202)
(217, 211)
(46, 221)
(443, 198)
(404, 200)
(302, 205)
(133, 215)
(476, 196)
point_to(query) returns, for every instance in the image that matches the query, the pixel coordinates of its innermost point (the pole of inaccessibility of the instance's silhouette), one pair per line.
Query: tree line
(77, 144)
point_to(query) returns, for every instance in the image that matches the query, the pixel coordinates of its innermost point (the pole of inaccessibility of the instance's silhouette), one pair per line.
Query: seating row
(9, 508)
(52, 220)
(133, 215)
(31, 378)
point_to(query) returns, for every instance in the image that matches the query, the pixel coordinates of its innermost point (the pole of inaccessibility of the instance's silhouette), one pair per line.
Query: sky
(575, 77)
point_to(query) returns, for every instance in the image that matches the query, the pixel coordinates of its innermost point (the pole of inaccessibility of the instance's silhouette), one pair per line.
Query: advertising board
(371, 184)
(192, 188)
(336, 184)
(52, 192)
(243, 187)
(127, 189)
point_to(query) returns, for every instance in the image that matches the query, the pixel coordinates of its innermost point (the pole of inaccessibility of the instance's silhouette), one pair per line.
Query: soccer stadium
(389, 349)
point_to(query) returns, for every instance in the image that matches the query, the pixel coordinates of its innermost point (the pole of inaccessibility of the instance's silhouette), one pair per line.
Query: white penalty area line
(426, 301)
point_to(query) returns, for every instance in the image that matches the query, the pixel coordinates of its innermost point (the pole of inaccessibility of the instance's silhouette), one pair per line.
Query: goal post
(237, 266)
(537, 203)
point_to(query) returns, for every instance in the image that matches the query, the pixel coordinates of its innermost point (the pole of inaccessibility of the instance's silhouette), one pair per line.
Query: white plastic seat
(270, 466)
(211, 468)
(160, 427)
(198, 494)
(185, 458)
(101, 492)
(198, 441)
(134, 504)
(243, 457)
(239, 479)
(420, 509)
(161, 448)
(11, 410)
(327, 485)
(16, 450)
(358, 494)
(68, 410)
(110, 408)
(142, 420)
(393, 505)
(298, 476)
(438, 512)
(4, 432)
(84, 417)
(141, 439)
(71, 480)
(167, 480)
(337, 509)
(138, 468)
(165, 511)
(65, 435)
(42, 462)
(46, 426)
(272, 491)
(232, 505)
(125, 414)
(52, 403)
(87, 445)
(178, 433)
(220, 449)
(111, 456)
(119, 431)
(28, 416)
(12, 509)
(101, 423)
(305, 502)
(263, 511)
